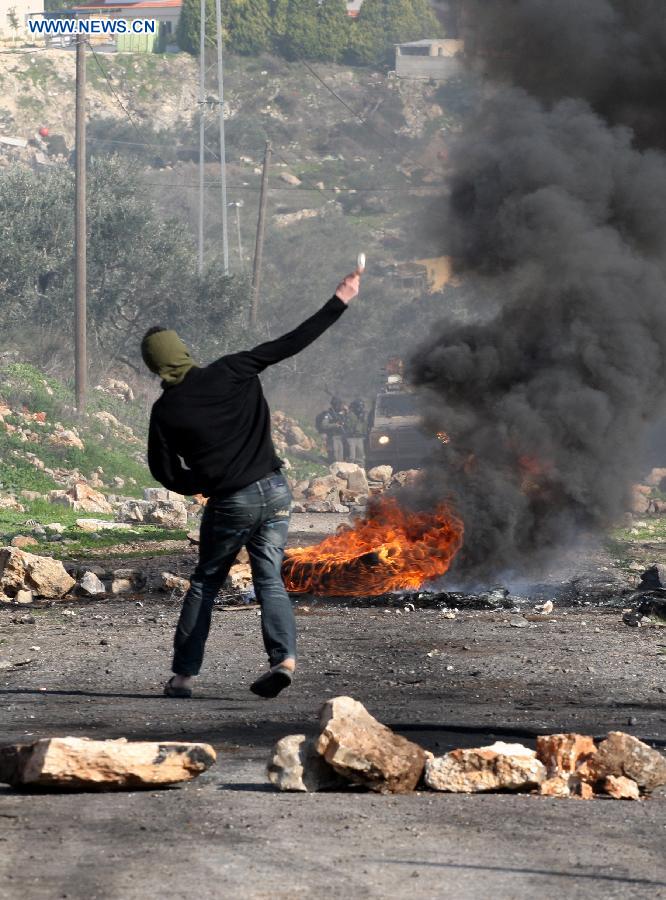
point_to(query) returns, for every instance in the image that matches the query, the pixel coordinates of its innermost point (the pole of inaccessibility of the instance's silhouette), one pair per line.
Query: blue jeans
(256, 517)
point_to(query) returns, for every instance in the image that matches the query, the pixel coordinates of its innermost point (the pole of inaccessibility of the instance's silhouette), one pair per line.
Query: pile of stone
(109, 422)
(27, 577)
(354, 749)
(345, 488)
(71, 763)
(82, 498)
(114, 387)
(158, 507)
(383, 478)
(289, 437)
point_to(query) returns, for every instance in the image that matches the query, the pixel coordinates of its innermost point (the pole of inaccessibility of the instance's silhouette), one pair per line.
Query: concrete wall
(438, 67)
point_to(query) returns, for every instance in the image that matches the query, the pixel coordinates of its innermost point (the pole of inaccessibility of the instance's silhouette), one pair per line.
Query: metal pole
(223, 153)
(259, 246)
(80, 350)
(240, 245)
(202, 107)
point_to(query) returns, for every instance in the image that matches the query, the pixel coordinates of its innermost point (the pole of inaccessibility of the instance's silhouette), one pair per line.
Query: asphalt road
(99, 673)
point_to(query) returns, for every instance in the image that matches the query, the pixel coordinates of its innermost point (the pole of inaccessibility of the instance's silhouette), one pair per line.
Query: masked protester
(210, 433)
(331, 423)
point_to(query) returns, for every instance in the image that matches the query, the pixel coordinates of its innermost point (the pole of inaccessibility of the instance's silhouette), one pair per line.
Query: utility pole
(80, 348)
(237, 205)
(202, 124)
(261, 227)
(223, 153)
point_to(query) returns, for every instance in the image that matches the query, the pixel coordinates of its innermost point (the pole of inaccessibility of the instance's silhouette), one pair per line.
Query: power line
(112, 89)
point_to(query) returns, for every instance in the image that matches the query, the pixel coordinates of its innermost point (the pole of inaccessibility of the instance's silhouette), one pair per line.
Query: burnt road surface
(97, 669)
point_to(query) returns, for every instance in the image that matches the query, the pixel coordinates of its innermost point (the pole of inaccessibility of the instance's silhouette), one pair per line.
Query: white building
(437, 58)
(21, 9)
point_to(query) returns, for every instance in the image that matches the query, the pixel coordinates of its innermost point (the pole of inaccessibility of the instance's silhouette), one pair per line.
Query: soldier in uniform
(330, 422)
(355, 431)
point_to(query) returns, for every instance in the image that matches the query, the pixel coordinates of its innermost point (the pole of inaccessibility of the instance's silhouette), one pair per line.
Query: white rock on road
(91, 585)
(78, 763)
(295, 765)
(498, 767)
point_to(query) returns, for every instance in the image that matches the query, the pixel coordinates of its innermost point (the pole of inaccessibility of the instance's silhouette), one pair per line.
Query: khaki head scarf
(165, 354)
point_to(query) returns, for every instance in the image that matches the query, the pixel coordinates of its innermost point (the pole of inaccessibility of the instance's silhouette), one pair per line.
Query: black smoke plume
(557, 223)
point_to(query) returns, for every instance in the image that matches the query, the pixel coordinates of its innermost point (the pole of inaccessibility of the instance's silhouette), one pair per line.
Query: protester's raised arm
(252, 362)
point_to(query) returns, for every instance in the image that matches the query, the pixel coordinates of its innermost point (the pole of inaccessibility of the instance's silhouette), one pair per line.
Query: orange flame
(390, 549)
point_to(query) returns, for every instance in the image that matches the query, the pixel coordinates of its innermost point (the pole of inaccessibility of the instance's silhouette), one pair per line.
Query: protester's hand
(348, 287)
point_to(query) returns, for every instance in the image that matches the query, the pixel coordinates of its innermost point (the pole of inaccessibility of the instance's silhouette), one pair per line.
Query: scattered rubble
(80, 764)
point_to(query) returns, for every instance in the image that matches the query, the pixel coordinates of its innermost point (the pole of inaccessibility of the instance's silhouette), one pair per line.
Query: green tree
(250, 27)
(279, 10)
(429, 25)
(383, 23)
(12, 18)
(301, 32)
(332, 30)
(367, 38)
(142, 268)
(187, 32)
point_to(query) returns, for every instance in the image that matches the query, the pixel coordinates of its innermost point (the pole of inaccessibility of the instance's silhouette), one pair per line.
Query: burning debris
(556, 223)
(649, 599)
(390, 549)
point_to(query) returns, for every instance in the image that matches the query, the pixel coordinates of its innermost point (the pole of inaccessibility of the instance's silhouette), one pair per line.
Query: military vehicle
(395, 437)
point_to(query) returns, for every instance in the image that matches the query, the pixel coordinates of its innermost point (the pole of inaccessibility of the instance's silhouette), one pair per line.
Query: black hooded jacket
(211, 434)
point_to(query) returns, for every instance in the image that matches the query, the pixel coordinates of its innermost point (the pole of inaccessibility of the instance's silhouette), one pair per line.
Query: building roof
(138, 4)
(426, 42)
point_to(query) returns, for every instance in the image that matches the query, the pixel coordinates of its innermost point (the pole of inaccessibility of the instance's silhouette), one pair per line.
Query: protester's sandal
(271, 683)
(170, 690)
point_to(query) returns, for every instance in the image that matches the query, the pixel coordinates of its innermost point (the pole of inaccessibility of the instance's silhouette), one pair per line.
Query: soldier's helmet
(358, 407)
(337, 404)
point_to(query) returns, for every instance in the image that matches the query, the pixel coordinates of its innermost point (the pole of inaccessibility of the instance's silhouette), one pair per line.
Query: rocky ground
(96, 668)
